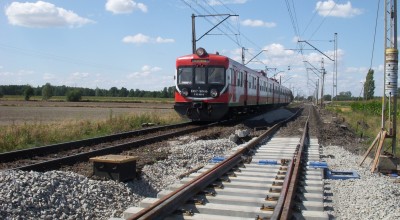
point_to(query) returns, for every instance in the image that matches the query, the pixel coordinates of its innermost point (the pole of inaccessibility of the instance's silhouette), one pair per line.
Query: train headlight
(185, 92)
(201, 52)
(214, 93)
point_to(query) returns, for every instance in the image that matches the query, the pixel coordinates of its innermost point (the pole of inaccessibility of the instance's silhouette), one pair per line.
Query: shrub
(74, 95)
(28, 92)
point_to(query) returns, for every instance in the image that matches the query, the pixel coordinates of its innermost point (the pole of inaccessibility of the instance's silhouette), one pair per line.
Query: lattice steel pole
(391, 70)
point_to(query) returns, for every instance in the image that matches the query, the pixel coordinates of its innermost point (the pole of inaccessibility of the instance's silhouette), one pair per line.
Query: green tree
(171, 92)
(98, 92)
(113, 92)
(74, 95)
(28, 92)
(369, 85)
(327, 97)
(123, 92)
(164, 93)
(131, 93)
(47, 91)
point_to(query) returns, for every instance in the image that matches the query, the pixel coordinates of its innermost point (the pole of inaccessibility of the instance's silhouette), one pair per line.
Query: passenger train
(210, 87)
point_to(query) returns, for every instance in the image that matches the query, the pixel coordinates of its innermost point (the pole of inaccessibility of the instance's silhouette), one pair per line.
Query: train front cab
(201, 91)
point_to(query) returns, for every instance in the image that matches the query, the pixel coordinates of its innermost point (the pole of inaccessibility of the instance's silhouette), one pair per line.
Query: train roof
(217, 59)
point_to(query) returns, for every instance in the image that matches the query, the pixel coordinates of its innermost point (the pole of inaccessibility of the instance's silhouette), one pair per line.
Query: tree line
(75, 93)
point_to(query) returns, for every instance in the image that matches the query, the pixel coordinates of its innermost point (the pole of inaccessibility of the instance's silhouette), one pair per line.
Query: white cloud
(79, 75)
(49, 76)
(277, 50)
(257, 23)
(330, 8)
(145, 71)
(162, 40)
(136, 39)
(141, 39)
(124, 6)
(42, 14)
(220, 2)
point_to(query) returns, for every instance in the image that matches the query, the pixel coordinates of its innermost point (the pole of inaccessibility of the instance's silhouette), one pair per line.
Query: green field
(93, 99)
(25, 124)
(364, 117)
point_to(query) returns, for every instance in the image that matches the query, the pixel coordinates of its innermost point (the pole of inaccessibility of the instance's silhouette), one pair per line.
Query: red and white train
(210, 87)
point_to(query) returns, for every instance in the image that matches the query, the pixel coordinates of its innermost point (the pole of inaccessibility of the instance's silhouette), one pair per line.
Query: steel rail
(171, 202)
(283, 209)
(48, 149)
(68, 160)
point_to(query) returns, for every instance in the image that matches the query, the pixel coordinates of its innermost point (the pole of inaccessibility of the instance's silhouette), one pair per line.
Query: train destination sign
(200, 60)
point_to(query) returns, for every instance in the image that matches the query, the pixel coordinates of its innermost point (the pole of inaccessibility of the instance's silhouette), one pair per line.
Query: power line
(373, 44)
(323, 20)
(228, 27)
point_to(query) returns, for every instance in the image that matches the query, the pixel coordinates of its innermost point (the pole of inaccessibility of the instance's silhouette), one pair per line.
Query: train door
(273, 93)
(245, 87)
(258, 90)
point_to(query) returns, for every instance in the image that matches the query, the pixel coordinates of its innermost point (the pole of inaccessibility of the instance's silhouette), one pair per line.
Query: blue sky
(134, 44)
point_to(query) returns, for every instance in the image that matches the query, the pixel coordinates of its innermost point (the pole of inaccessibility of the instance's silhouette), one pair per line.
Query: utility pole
(322, 84)
(243, 58)
(391, 68)
(194, 34)
(316, 92)
(194, 40)
(334, 75)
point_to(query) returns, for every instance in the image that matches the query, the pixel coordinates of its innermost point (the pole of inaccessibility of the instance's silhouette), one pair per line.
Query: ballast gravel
(67, 195)
(372, 196)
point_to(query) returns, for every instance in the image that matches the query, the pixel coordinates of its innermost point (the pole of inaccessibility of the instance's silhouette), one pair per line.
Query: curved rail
(166, 205)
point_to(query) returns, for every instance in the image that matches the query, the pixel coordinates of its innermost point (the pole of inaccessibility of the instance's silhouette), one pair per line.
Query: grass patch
(94, 99)
(364, 117)
(16, 137)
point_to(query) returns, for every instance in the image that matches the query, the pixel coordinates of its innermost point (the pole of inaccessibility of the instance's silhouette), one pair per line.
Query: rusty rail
(283, 209)
(171, 202)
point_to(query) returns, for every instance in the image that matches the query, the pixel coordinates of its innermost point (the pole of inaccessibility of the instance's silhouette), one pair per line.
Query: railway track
(266, 178)
(54, 156)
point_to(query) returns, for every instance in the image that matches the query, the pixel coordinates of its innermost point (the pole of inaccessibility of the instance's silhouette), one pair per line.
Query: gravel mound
(67, 195)
(58, 195)
(373, 196)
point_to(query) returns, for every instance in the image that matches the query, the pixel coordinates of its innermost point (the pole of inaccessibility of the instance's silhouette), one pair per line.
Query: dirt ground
(335, 131)
(18, 112)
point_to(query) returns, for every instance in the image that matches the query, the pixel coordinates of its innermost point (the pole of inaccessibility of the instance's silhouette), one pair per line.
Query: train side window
(241, 79)
(185, 75)
(233, 78)
(200, 75)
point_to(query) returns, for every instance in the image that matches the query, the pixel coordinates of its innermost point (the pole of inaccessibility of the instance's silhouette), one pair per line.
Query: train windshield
(185, 75)
(201, 75)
